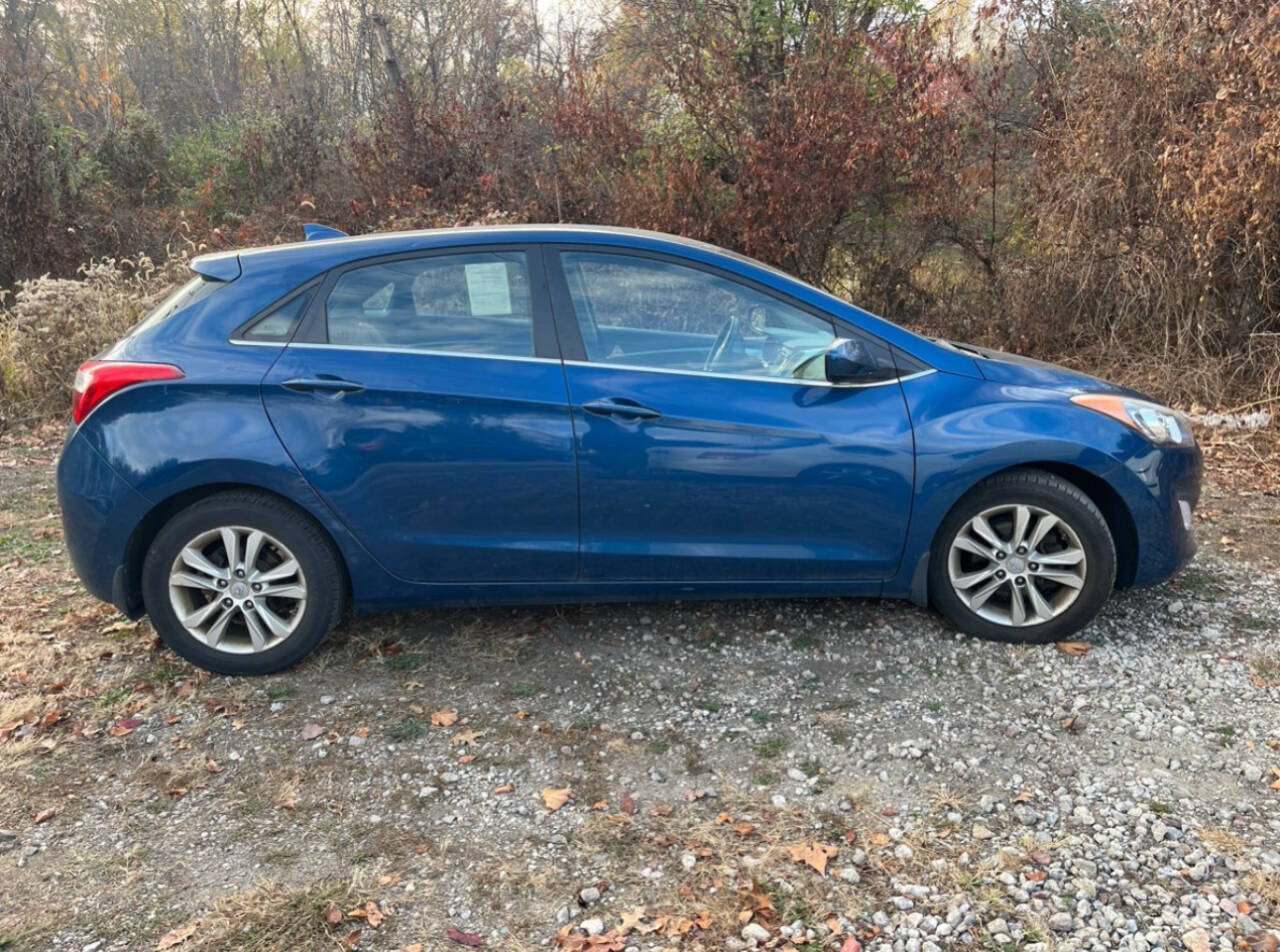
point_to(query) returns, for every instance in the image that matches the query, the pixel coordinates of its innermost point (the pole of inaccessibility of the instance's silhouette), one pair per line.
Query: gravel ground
(812, 775)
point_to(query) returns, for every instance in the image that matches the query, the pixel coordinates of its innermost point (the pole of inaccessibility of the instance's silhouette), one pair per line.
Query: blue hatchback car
(553, 413)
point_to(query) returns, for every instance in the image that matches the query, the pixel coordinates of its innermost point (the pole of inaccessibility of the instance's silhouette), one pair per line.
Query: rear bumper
(99, 513)
(1162, 511)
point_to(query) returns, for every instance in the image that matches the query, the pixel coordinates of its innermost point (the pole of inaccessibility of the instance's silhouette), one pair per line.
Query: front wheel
(1024, 557)
(242, 583)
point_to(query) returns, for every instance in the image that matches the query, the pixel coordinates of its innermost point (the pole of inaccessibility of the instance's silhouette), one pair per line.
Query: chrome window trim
(784, 380)
(423, 352)
(365, 348)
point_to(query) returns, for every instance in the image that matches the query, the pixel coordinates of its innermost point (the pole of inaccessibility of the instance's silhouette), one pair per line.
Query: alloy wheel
(237, 589)
(1017, 565)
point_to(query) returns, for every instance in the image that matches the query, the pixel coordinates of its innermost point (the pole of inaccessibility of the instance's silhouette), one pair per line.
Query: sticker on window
(488, 289)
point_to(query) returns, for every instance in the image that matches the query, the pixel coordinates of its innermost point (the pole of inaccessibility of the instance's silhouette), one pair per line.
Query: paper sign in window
(488, 289)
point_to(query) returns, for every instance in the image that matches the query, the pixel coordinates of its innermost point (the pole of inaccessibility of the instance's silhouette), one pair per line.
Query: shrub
(49, 326)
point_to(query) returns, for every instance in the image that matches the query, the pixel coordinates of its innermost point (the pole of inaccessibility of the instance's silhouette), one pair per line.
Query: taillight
(98, 379)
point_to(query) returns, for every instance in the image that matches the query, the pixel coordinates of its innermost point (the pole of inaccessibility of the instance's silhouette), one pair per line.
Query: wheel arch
(128, 587)
(1120, 521)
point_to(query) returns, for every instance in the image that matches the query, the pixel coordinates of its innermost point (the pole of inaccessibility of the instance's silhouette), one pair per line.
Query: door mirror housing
(849, 361)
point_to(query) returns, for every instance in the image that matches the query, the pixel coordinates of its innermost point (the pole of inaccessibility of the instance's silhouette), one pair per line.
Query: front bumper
(99, 513)
(1163, 510)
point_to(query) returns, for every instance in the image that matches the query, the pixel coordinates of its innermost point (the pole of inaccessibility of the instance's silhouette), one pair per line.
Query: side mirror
(849, 361)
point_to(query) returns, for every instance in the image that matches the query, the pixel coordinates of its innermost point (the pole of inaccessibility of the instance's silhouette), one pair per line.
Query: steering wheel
(731, 331)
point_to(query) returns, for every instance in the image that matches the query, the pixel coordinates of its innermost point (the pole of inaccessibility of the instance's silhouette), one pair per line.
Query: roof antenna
(314, 231)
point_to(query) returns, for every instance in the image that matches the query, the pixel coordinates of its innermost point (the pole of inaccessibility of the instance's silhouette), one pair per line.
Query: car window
(193, 292)
(477, 303)
(648, 312)
(278, 325)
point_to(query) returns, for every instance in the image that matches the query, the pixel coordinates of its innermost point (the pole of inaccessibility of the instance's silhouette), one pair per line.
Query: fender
(966, 433)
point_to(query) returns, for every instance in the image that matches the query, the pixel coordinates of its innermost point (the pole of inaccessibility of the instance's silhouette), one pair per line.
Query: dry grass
(51, 325)
(275, 918)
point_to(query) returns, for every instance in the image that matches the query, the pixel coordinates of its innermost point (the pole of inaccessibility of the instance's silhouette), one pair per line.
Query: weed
(409, 729)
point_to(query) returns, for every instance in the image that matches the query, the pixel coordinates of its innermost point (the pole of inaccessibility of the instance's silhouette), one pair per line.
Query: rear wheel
(242, 583)
(1025, 556)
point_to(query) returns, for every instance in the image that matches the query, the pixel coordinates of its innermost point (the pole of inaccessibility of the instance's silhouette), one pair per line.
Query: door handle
(621, 407)
(322, 384)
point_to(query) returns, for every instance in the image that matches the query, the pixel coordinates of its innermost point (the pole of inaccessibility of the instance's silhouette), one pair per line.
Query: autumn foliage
(1090, 182)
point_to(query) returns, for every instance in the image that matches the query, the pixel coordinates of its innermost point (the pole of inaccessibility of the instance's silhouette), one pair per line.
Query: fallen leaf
(1023, 797)
(464, 938)
(600, 805)
(1077, 649)
(311, 731)
(211, 766)
(333, 916)
(466, 758)
(743, 828)
(504, 789)
(177, 791)
(175, 937)
(415, 947)
(661, 809)
(722, 818)
(851, 944)
(628, 805)
(555, 797)
(466, 737)
(1261, 941)
(521, 715)
(879, 839)
(352, 940)
(123, 726)
(372, 914)
(632, 920)
(445, 717)
(172, 719)
(1073, 724)
(237, 725)
(814, 854)
(46, 815)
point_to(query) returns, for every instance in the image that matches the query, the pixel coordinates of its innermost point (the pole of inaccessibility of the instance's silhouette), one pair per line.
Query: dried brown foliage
(1153, 224)
(50, 325)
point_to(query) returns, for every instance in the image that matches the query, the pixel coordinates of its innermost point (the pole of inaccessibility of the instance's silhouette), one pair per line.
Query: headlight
(1159, 424)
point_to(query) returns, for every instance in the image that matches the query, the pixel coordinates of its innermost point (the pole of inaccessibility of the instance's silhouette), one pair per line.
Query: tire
(299, 576)
(963, 553)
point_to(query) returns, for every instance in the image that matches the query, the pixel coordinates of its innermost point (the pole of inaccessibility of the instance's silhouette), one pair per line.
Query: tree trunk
(383, 35)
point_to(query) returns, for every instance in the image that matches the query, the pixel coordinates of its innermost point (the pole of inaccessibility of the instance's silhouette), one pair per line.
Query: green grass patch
(409, 729)
(771, 747)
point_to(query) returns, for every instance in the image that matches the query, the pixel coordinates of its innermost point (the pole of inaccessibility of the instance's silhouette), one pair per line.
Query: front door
(710, 446)
(425, 401)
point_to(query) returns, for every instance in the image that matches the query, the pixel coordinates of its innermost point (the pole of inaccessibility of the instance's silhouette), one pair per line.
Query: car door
(701, 456)
(424, 399)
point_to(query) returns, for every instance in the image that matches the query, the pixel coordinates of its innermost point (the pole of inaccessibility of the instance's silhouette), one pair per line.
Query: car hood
(999, 367)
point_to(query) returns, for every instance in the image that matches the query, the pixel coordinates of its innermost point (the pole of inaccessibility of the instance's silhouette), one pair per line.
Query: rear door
(424, 399)
(710, 446)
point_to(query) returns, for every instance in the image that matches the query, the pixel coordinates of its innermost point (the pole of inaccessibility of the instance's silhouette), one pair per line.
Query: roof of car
(327, 252)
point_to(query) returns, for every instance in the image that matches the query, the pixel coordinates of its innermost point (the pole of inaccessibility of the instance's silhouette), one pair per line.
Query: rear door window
(476, 303)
